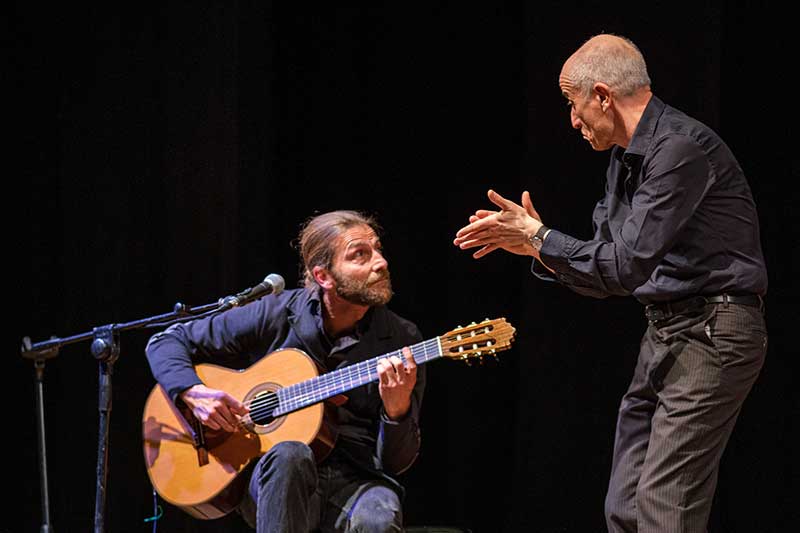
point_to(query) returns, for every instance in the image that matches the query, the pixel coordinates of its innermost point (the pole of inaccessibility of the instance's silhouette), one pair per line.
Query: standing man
(339, 318)
(678, 230)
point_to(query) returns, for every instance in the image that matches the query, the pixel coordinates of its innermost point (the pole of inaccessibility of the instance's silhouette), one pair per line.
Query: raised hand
(509, 228)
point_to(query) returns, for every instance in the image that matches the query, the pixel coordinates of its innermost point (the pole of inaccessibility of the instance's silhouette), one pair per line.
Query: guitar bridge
(199, 440)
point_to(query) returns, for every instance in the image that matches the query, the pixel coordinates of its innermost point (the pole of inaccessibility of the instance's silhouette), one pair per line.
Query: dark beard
(361, 293)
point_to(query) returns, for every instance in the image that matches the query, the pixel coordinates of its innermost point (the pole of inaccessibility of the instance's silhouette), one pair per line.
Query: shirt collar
(643, 134)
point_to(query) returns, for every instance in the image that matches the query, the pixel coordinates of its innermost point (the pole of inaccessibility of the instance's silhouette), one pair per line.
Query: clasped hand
(509, 229)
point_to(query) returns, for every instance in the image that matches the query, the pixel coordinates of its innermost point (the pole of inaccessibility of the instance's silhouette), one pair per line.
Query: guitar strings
(341, 380)
(331, 383)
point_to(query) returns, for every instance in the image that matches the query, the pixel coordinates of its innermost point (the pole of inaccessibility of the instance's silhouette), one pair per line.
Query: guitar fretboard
(312, 391)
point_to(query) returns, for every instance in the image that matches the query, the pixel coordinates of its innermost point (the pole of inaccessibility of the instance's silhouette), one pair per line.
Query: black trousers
(694, 371)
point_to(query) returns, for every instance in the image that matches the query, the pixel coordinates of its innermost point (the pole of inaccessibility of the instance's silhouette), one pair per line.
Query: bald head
(608, 59)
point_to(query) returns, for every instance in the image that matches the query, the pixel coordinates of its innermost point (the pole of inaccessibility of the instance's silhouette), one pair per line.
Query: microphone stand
(105, 349)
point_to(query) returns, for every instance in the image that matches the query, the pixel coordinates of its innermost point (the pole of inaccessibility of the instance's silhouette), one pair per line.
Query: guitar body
(209, 485)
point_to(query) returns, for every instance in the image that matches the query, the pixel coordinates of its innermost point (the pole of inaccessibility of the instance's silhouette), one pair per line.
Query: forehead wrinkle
(356, 236)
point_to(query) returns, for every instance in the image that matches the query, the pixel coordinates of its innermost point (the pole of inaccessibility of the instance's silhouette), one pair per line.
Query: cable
(157, 512)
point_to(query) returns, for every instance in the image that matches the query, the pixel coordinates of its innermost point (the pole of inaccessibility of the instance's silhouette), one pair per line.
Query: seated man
(339, 318)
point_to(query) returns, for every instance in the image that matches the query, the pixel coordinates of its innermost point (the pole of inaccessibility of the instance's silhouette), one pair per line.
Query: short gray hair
(617, 61)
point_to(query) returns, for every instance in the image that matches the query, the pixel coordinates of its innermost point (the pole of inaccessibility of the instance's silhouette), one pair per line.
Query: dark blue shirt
(293, 319)
(677, 220)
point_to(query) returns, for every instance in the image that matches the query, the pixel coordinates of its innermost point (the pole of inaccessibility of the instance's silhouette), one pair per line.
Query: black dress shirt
(677, 220)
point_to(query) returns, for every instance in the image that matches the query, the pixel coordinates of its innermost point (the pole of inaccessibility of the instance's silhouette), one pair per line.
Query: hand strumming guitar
(214, 408)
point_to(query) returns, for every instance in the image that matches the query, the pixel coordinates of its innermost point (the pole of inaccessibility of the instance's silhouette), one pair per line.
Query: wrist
(397, 414)
(537, 239)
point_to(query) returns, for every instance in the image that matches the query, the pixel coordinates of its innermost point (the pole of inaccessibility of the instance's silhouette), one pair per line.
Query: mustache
(381, 277)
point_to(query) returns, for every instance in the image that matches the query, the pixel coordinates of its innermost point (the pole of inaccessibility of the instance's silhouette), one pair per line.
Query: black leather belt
(655, 312)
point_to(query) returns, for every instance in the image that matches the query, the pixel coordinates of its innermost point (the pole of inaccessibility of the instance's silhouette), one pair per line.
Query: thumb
(499, 201)
(528, 205)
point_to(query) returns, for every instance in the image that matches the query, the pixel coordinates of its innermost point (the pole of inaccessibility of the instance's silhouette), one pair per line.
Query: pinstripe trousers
(694, 372)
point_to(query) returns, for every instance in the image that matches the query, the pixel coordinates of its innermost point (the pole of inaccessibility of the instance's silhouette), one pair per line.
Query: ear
(323, 277)
(603, 94)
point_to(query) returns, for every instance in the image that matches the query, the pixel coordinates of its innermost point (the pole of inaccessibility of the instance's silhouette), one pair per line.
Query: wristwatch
(537, 239)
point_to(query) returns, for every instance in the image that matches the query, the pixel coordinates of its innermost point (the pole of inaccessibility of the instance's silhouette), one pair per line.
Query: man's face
(359, 268)
(588, 115)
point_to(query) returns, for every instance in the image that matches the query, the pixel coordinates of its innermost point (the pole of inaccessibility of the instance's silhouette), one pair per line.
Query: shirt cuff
(388, 421)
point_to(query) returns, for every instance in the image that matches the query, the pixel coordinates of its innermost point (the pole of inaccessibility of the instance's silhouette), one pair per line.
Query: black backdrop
(170, 154)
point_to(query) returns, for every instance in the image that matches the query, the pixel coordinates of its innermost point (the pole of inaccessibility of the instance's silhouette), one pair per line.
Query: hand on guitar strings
(214, 408)
(396, 380)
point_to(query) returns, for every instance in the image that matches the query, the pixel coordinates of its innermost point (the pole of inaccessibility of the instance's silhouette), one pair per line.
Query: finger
(528, 205)
(480, 233)
(397, 372)
(473, 226)
(499, 201)
(225, 418)
(397, 364)
(411, 364)
(383, 371)
(472, 243)
(489, 248)
(235, 405)
(478, 238)
(208, 421)
(481, 214)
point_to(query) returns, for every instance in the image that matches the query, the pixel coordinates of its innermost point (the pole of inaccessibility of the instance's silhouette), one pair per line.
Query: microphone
(272, 284)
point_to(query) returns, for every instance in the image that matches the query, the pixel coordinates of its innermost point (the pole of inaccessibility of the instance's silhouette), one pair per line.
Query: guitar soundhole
(263, 401)
(262, 407)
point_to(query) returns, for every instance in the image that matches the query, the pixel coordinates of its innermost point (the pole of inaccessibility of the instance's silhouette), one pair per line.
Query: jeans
(290, 493)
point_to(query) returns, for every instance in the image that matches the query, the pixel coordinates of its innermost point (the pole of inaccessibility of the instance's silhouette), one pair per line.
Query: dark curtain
(170, 155)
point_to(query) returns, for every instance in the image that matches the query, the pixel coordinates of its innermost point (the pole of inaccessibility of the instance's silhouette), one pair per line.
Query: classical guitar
(197, 469)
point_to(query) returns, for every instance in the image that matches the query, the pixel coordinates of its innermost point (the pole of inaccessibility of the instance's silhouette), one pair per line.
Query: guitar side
(213, 489)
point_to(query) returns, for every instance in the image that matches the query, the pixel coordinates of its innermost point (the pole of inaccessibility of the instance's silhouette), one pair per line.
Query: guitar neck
(315, 390)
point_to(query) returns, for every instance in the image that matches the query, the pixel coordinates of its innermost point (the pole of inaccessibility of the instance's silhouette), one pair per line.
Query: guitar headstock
(478, 340)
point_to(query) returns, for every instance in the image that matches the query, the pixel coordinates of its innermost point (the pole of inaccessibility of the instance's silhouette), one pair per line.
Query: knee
(377, 511)
(287, 458)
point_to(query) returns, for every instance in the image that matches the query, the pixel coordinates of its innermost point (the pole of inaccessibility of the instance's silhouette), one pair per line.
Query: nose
(379, 262)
